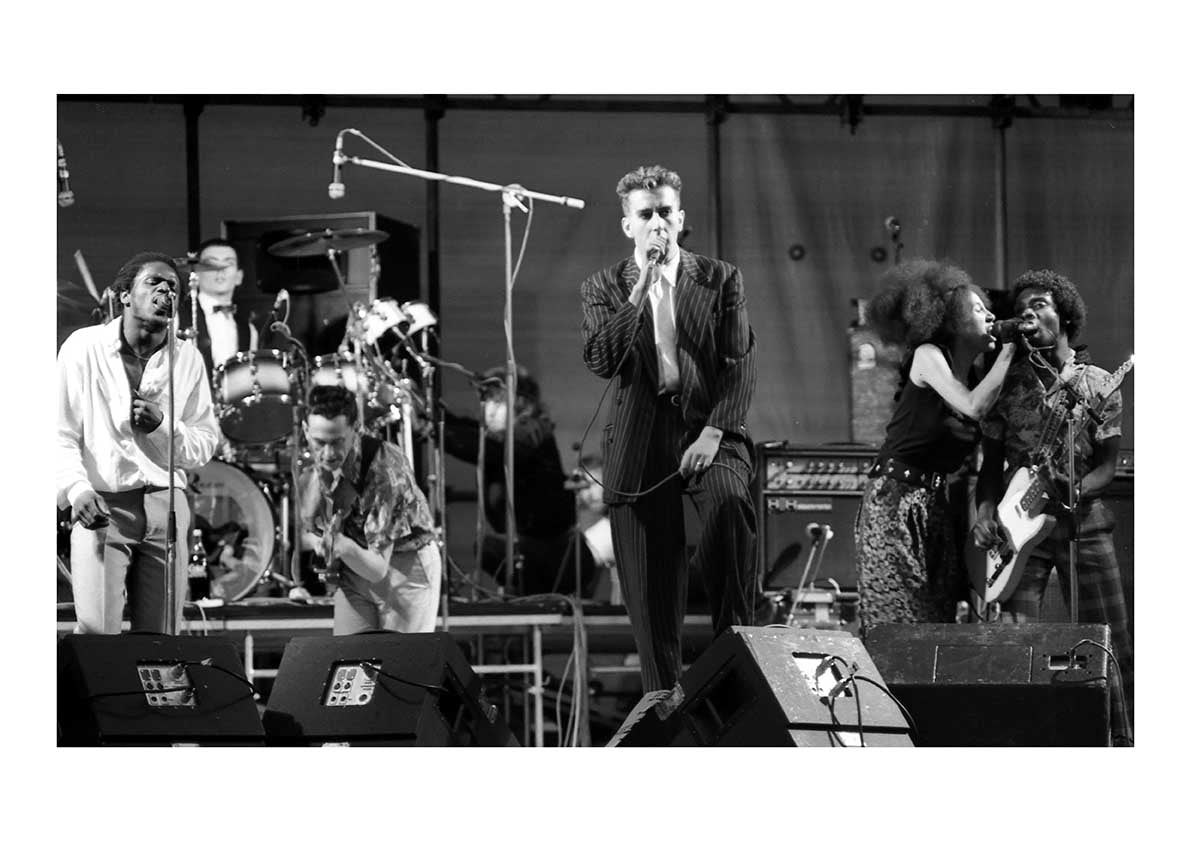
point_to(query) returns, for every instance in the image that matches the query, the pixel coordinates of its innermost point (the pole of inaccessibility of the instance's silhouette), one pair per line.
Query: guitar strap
(369, 447)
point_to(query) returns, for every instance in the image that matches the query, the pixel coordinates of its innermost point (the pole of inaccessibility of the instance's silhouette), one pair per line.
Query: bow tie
(230, 309)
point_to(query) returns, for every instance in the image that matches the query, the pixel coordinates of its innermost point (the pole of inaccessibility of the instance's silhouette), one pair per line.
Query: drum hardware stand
(511, 194)
(353, 332)
(291, 542)
(426, 362)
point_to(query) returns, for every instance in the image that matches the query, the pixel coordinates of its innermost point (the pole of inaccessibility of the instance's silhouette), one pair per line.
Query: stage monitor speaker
(381, 689)
(760, 687)
(998, 685)
(153, 689)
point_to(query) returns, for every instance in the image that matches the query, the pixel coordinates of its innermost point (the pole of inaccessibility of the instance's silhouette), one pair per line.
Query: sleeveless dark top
(921, 432)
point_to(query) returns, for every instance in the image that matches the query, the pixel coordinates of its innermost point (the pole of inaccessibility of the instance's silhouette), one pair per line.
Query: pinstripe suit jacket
(716, 358)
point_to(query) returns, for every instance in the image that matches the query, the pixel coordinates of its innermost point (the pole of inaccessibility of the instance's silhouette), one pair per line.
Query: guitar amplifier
(802, 489)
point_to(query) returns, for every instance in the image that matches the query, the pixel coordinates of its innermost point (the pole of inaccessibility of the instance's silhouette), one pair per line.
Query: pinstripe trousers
(649, 539)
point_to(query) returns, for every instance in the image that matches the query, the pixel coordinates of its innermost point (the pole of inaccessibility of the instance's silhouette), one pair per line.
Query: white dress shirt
(663, 283)
(221, 327)
(98, 449)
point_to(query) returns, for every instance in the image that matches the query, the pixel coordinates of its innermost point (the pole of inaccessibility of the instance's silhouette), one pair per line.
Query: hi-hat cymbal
(315, 243)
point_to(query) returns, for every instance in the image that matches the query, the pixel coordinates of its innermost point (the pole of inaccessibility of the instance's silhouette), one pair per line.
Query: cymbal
(196, 264)
(314, 243)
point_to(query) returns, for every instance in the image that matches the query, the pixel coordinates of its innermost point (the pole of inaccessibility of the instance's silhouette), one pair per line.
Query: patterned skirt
(906, 557)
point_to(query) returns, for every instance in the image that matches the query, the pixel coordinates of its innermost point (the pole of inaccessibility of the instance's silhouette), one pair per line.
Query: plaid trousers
(1101, 595)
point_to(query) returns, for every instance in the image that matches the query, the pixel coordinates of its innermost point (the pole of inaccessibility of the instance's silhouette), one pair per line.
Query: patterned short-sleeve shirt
(391, 513)
(1017, 417)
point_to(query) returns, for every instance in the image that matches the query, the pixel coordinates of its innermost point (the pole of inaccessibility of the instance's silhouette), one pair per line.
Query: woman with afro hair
(907, 559)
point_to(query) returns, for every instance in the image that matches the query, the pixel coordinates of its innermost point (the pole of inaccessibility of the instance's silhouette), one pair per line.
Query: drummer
(223, 329)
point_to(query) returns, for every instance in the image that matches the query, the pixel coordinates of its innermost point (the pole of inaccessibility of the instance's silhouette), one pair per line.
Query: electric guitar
(995, 573)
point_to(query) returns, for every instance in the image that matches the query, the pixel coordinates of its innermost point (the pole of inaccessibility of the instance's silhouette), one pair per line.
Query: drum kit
(242, 501)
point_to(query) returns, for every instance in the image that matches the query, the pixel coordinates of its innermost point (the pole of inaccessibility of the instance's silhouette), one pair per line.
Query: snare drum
(237, 527)
(254, 396)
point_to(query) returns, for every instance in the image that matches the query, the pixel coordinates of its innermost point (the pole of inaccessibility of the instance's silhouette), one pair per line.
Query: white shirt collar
(208, 302)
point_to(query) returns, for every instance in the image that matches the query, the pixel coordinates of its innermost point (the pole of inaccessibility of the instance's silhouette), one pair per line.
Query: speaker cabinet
(759, 687)
(380, 688)
(801, 490)
(143, 690)
(989, 685)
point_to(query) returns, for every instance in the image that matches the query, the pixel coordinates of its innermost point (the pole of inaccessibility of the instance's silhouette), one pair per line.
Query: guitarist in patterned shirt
(1052, 313)
(363, 514)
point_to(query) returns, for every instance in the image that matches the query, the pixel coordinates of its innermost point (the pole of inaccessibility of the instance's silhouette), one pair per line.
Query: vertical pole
(192, 107)
(716, 114)
(510, 406)
(434, 111)
(1002, 119)
(1002, 210)
(434, 108)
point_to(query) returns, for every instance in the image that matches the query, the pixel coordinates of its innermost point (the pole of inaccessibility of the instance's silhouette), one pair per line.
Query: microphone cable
(634, 495)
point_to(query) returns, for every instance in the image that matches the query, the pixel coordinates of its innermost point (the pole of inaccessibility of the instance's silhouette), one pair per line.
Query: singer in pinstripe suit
(671, 327)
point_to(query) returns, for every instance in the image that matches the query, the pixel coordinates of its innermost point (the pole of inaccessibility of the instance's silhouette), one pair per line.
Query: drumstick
(86, 273)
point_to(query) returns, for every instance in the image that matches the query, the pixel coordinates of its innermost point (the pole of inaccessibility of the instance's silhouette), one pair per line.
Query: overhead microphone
(892, 225)
(65, 196)
(336, 189)
(282, 298)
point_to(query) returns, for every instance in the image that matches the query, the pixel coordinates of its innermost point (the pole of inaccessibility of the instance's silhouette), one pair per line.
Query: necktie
(667, 346)
(230, 309)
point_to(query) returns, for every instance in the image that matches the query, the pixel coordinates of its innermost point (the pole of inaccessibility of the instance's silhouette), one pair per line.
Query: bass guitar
(995, 573)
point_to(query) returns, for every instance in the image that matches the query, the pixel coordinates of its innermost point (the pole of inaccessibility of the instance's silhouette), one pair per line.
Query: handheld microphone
(65, 196)
(654, 255)
(336, 189)
(1008, 330)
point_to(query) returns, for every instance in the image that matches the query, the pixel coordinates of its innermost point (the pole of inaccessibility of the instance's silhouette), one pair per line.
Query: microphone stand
(510, 195)
(1073, 493)
(171, 531)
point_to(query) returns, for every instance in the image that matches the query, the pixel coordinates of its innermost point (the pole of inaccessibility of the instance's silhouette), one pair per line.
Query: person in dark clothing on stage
(906, 551)
(543, 507)
(1053, 313)
(672, 329)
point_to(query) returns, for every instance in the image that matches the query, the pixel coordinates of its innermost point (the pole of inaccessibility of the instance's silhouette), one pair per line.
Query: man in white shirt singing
(113, 451)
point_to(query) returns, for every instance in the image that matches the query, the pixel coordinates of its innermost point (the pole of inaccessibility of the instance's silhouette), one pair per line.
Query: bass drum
(233, 526)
